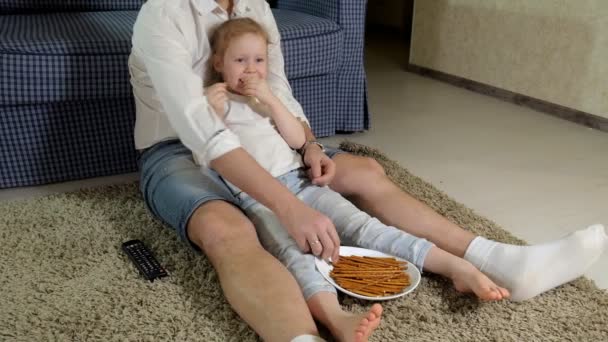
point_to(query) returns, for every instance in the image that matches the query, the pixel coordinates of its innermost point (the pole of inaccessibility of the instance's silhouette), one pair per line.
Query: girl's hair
(234, 28)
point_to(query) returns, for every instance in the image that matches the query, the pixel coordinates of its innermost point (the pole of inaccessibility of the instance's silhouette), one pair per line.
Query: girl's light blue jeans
(355, 228)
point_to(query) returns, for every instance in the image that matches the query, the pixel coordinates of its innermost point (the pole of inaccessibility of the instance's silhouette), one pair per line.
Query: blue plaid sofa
(66, 106)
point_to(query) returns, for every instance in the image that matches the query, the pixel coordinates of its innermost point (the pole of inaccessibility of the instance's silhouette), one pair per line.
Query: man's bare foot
(467, 278)
(357, 327)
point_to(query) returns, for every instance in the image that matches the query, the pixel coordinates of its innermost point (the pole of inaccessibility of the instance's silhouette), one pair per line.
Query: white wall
(553, 50)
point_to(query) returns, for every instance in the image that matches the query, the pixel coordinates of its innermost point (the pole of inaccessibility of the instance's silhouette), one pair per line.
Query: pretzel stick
(386, 283)
(371, 276)
(362, 272)
(376, 261)
(371, 287)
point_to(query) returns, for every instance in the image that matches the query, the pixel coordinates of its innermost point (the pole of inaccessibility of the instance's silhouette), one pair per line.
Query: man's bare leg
(510, 266)
(363, 180)
(257, 286)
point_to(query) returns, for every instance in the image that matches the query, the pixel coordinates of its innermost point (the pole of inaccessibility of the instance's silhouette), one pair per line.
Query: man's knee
(353, 168)
(372, 168)
(355, 173)
(218, 228)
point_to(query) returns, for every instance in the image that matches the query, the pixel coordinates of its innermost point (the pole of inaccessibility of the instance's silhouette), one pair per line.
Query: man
(175, 122)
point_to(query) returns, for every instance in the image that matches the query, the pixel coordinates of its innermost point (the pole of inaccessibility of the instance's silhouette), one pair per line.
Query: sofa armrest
(348, 14)
(350, 112)
(344, 12)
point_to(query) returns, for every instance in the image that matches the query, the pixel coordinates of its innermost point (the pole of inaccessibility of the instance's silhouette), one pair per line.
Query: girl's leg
(359, 229)
(465, 276)
(344, 326)
(320, 295)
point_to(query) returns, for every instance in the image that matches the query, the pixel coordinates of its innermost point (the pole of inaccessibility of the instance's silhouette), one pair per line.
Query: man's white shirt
(168, 65)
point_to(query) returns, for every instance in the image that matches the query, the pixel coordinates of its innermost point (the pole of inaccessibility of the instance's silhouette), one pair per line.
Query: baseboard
(576, 116)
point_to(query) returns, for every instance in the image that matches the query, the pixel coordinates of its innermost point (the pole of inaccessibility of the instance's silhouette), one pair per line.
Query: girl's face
(246, 55)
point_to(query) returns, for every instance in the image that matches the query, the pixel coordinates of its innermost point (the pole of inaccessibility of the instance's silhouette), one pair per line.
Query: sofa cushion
(83, 55)
(45, 6)
(64, 56)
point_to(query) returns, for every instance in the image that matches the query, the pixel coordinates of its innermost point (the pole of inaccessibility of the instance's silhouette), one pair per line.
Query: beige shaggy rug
(63, 277)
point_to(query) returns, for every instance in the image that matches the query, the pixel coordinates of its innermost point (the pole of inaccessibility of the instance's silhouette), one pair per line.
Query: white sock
(528, 271)
(308, 338)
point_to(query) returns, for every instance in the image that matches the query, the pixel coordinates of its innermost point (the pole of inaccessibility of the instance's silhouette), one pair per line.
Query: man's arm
(165, 52)
(303, 223)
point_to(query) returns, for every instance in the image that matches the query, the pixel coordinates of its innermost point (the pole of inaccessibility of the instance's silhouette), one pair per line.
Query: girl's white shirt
(169, 69)
(258, 134)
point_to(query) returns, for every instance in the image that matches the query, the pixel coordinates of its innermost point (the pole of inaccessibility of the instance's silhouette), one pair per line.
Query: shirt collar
(208, 6)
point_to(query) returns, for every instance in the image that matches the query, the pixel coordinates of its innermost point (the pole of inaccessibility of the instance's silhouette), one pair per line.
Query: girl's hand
(217, 95)
(253, 85)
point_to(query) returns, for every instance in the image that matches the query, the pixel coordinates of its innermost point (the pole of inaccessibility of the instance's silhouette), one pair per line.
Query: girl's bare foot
(467, 278)
(357, 327)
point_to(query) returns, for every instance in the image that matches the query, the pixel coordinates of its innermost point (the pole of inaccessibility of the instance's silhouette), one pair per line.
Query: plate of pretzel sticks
(371, 275)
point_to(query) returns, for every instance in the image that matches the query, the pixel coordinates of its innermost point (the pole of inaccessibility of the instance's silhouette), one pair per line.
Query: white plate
(325, 268)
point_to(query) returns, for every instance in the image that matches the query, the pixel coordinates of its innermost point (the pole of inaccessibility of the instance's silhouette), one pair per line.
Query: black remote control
(143, 259)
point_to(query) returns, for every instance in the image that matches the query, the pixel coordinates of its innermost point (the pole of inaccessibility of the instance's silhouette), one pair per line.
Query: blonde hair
(234, 28)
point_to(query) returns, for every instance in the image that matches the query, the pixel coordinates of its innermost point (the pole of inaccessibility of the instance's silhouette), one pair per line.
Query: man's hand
(312, 231)
(217, 95)
(304, 224)
(321, 168)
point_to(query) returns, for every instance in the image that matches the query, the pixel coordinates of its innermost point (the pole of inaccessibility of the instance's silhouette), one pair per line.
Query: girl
(270, 134)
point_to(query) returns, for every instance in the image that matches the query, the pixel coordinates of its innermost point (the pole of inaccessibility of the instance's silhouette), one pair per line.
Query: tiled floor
(538, 176)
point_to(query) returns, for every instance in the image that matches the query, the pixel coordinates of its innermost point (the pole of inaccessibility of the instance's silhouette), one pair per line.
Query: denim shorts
(174, 186)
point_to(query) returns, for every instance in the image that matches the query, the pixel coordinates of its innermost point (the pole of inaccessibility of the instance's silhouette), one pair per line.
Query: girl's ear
(217, 63)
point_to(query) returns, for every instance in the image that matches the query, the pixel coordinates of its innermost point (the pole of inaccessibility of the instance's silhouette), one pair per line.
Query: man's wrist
(307, 144)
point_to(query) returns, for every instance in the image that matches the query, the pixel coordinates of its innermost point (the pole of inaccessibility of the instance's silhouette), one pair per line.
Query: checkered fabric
(45, 6)
(317, 96)
(311, 45)
(66, 108)
(76, 56)
(65, 56)
(63, 141)
(351, 94)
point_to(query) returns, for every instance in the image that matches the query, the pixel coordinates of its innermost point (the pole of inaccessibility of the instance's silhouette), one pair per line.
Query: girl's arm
(289, 126)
